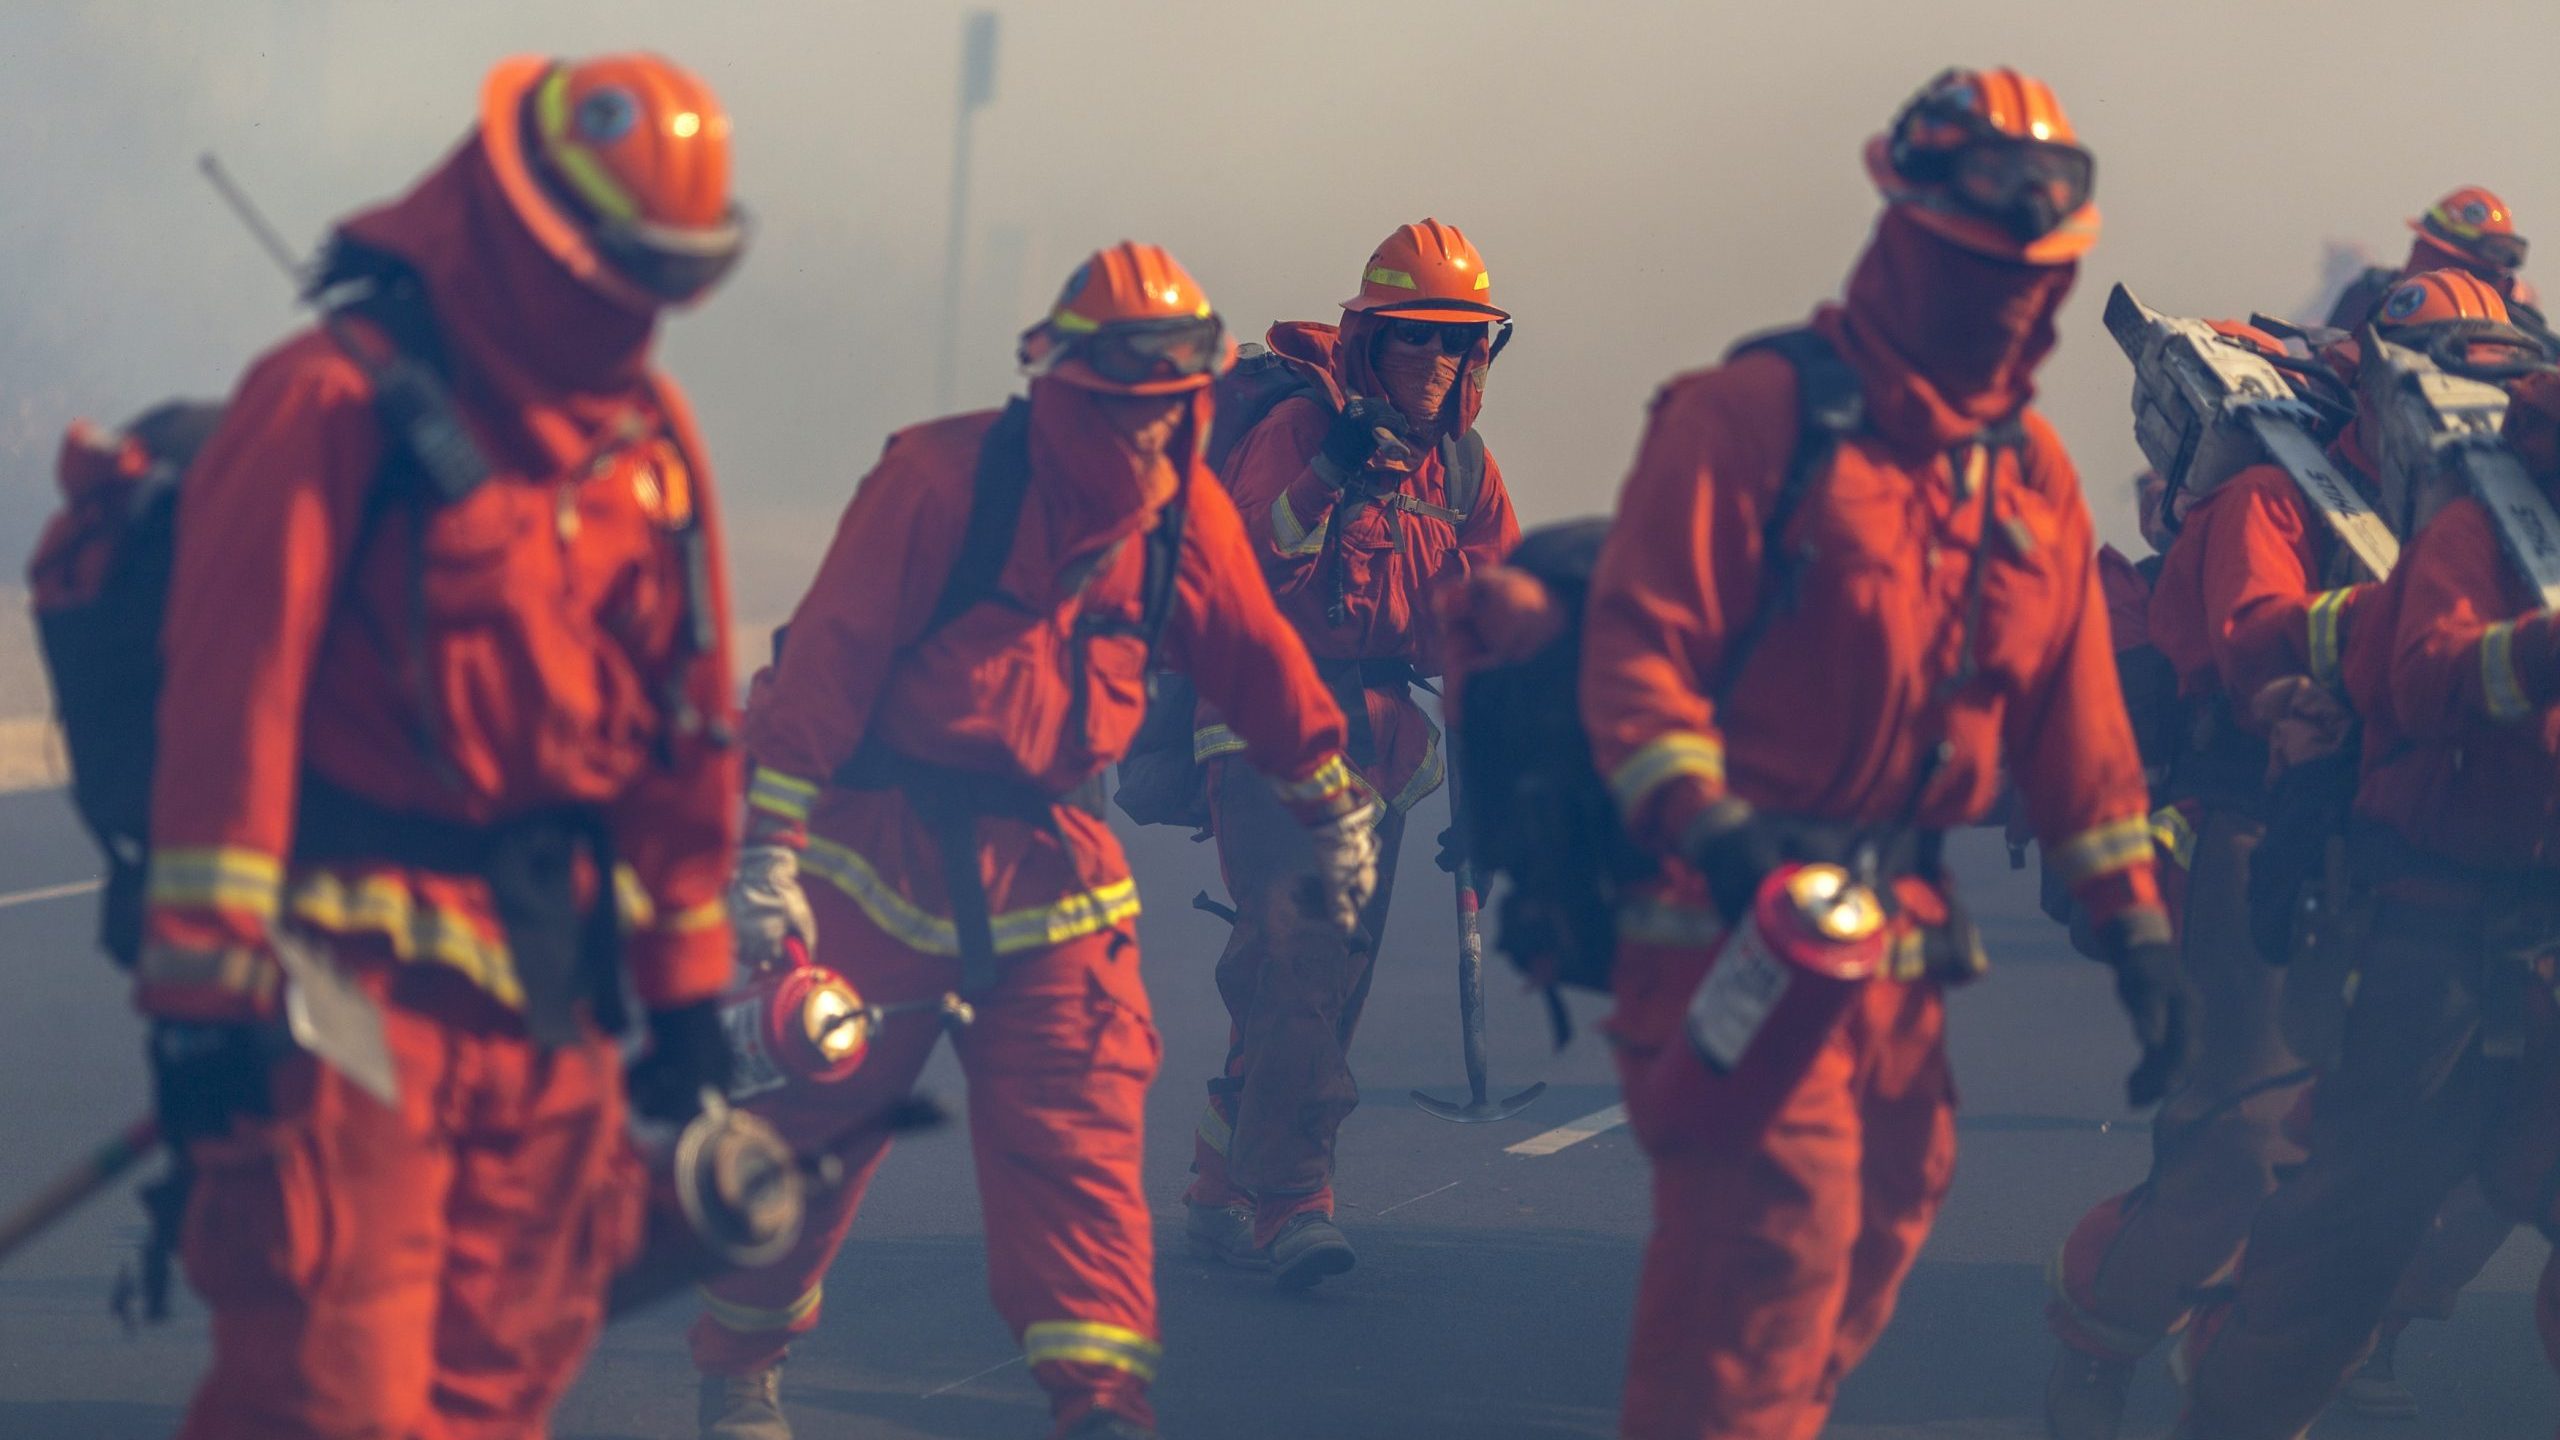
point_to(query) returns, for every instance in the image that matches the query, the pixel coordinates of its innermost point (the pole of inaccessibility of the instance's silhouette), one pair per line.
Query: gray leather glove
(1347, 865)
(767, 906)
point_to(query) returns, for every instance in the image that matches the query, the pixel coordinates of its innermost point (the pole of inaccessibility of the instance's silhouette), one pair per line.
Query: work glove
(2153, 989)
(1360, 433)
(767, 907)
(205, 1077)
(688, 1053)
(1730, 846)
(1346, 866)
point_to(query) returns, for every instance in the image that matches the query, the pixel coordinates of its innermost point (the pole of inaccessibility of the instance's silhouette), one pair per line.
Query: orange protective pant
(2416, 1106)
(1058, 1061)
(434, 1273)
(1776, 1253)
(1294, 990)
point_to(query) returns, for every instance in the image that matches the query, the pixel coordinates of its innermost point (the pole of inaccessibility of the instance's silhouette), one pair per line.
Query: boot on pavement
(2084, 1396)
(2376, 1390)
(1224, 1233)
(744, 1407)
(1307, 1249)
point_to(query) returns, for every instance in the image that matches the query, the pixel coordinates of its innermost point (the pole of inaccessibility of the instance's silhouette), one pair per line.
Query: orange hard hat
(2439, 296)
(1428, 271)
(619, 166)
(1987, 159)
(1130, 321)
(2474, 225)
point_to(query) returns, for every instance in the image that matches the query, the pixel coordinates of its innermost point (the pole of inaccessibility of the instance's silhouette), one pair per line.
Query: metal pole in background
(977, 87)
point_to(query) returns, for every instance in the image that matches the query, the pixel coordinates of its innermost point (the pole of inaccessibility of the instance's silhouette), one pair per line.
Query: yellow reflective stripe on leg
(754, 1320)
(1291, 536)
(1071, 917)
(1211, 741)
(1665, 758)
(776, 793)
(2499, 682)
(227, 876)
(382, 905)
(1090, 1342)
(2327, 610)
(2102, 848)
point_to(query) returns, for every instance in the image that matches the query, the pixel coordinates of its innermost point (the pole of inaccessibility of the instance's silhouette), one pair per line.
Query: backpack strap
(1829, 406)
(996, 493)
(1164, 568)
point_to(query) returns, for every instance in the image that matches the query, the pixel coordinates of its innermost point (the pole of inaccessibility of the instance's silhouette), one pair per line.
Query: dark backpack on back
(1538, 812)
(100, 627)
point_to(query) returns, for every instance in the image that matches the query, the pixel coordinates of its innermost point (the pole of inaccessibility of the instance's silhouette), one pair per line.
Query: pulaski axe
(1480, 1105)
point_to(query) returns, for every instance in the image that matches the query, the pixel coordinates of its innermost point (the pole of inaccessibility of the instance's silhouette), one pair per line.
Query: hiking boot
(1307, 1249)
(1224, 1233)
(744, 1407)
(2376, 1390)
(2084, 1396)
(1103, 1425)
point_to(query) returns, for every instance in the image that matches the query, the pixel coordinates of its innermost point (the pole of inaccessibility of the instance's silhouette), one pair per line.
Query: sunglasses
(1454, 339)
(1156, 350)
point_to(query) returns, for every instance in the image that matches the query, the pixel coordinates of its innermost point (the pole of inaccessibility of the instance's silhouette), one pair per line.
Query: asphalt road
(1493, 1290)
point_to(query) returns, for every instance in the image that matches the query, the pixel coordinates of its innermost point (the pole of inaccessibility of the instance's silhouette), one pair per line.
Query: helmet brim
(1447, 312)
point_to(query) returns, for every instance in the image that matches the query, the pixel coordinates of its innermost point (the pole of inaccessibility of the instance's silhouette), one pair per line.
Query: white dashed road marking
(1598, 1122)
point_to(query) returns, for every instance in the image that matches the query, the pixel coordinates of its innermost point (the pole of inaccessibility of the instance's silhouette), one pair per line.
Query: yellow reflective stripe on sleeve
(1090, 1342)
(225, 876)
(1380, 274)
(1330, 779)
(1211, 741)
(1072, 917)
(2326, 612)
(694, 919)
(1665, 758)
(631, 899)
(2102, 848)
(381, 905)
(1292, 538)
(740, 1319)
(2498, 678)
(779, 794)
(2173, 836)
(1214, 1131)
(1426, 776)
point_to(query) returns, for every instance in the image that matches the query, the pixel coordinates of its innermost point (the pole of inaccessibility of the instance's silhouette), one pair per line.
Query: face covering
(1417, 379)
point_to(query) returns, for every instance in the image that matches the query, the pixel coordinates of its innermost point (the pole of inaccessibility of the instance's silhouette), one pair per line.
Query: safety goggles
(1137, 352)
(2029, 187)
(1453, 339)
(2503, 252)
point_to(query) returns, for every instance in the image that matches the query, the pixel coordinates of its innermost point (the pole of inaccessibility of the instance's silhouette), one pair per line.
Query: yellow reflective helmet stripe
(578, 165)
(1381, 275)
(1484, 279)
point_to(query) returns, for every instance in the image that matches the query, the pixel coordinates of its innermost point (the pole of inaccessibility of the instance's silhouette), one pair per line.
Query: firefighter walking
(1361, 489)
(972, 655)
(427, 733)
(1829, 656)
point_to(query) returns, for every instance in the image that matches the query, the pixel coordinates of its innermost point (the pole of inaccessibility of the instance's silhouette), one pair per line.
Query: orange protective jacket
(1395, 557)
(549, 607)
(999, 690)
(2242, 599)
(2467, 765)
(1837, 706)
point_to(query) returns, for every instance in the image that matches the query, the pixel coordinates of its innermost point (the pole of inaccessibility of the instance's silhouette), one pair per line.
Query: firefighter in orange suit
(471, 749)
(1843, 691)
(927, 749)
(1361, 492)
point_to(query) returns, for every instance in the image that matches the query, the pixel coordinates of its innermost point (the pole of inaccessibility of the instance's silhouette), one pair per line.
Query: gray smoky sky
(1647, 181)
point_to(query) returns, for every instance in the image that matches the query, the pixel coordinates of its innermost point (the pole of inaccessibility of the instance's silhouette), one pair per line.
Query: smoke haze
(1647, 181)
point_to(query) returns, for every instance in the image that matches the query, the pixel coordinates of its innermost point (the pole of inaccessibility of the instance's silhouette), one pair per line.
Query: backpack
(1160, 782)
(101, 575)
(1538, 812)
